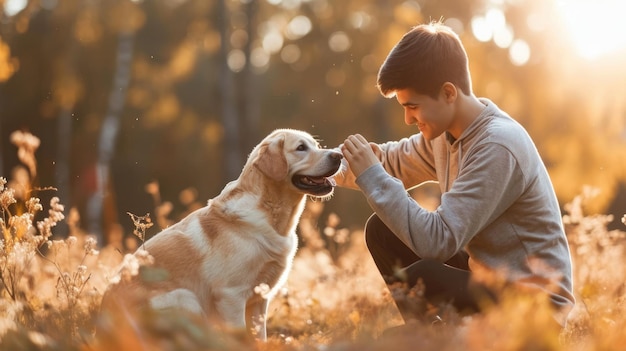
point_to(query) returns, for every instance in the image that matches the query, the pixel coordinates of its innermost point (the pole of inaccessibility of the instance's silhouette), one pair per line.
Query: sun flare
(595, 27)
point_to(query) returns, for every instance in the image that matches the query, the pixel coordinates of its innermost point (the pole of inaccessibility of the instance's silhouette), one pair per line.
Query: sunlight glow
(492, 26)
(13, 7)
(286, 4)
(595, 27)
(519, 52)
(339, 41)
(360, 20)
(503, 37)
(456, 25)
(298, 27)
(290, 53)
(273, 42)
(260, 59)
(236, 60)
(480, 29)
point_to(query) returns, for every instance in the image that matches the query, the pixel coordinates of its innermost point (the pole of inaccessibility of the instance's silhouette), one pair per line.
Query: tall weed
(334, 299)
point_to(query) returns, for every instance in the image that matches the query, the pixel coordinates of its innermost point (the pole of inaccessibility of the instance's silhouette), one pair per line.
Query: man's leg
(389, 253)
(449, 282)
(444, 284)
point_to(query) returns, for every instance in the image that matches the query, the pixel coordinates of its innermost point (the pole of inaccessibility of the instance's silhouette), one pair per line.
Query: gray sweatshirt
(497, 203)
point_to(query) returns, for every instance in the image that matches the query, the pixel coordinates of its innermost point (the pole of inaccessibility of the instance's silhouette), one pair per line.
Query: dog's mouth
(315, 185)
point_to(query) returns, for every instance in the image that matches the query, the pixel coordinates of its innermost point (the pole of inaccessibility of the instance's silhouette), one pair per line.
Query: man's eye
(301, 147)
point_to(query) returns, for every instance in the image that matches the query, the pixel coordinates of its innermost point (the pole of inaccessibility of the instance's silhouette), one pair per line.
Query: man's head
(426, 57)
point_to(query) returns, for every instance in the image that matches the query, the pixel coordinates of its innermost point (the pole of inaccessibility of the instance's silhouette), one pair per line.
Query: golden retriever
(212, 261)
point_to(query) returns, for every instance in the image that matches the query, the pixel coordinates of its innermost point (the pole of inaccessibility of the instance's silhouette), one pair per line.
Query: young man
(498, 210)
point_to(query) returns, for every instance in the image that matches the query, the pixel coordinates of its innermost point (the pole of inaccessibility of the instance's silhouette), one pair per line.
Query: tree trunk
(109, 132)
(230, 120)
(62, 166)
(251, 97)
(64, 137)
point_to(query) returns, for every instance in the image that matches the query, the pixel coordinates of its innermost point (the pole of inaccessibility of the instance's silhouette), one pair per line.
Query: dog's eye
(302, 147)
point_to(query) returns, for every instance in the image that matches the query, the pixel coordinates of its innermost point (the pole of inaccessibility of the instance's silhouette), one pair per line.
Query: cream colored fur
(244, 238)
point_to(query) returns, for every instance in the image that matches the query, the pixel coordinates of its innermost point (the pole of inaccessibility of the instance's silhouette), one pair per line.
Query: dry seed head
(90, 243)
(25, 140)
(56, 210)
(38, 339)
(33, 205)
(26, 144)
(71, 240)
(90, 246)
(342, 236)
(144, 258)
(7, 197)
(20, 225)
(130, 265)
(141, 223)
(152, 188)
(262, 289)
(333, 220)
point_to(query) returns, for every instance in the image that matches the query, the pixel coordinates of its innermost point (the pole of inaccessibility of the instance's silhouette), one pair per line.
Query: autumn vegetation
(152, 106)
(179, 91)
(50, 290)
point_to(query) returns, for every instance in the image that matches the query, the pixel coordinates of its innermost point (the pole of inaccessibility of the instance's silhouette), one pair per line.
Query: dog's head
(294, 156)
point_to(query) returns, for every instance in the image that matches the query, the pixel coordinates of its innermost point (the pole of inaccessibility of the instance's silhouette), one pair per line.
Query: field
(50, 290)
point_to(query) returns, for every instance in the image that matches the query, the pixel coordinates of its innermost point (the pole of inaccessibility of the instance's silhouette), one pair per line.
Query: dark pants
(443, 282)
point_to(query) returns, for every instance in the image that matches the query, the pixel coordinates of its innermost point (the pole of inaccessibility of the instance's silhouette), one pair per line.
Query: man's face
(431, 116)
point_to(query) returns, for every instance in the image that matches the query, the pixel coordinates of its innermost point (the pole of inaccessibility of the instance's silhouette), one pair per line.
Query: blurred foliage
(306, 64)
(334, 299)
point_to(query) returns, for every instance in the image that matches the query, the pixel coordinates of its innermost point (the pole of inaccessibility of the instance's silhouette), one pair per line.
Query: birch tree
(230, 119)
(128, 21)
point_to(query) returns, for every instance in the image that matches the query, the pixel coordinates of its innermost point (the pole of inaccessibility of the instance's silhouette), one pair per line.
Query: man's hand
(359, 153)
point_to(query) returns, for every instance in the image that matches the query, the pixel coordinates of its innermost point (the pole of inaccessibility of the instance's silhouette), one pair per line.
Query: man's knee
(422, 269)
(373, 228)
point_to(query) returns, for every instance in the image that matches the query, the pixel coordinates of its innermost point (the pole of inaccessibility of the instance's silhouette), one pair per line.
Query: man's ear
(449, 92)
(271, 159)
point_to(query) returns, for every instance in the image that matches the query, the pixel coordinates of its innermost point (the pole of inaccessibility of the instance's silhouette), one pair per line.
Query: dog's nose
(336, 155)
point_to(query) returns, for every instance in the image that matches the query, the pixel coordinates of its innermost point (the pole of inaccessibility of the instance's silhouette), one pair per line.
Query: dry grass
(50, 291)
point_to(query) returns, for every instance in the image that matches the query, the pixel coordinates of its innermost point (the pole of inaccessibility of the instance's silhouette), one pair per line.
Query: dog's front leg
(231, 306)
(256, 316)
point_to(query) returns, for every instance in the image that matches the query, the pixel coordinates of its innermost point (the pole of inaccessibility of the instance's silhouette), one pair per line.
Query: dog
(212, 261)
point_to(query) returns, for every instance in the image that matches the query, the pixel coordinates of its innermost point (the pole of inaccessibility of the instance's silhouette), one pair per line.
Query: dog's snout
(336, 155)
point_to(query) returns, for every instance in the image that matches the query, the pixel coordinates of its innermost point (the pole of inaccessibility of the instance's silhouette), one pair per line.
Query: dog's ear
(271, 159)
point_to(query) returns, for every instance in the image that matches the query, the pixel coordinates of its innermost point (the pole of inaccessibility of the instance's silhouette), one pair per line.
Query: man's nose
(409, 119)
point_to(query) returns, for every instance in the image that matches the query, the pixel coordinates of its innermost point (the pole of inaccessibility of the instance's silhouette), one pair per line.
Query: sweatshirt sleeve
(489, 183)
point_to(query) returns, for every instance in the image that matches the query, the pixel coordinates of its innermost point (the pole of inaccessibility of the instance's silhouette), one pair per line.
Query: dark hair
(423, 60)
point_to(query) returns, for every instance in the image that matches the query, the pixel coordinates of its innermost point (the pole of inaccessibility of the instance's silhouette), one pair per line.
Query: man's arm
(490, 182)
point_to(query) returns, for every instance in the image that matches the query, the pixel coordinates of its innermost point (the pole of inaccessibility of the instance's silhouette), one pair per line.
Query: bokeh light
(595, 27)
(519, 52)
(339, 41)
(236, 60)
(13, 7)
(273, 41)
(259, 58)
(298, 27)
(290, 53)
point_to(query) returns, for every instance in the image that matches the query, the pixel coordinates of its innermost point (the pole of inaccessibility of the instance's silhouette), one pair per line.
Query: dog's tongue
(321, 180)
(332, 181)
